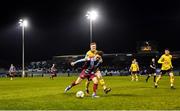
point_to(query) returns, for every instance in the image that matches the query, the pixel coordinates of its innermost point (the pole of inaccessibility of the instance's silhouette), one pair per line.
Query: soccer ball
(80, 94)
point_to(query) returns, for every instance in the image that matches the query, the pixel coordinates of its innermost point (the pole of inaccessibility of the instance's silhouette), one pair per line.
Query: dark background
(60, 27)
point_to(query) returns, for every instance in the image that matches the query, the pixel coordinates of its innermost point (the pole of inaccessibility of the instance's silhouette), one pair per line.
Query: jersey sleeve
(171, 62)
(81, 60)
(160, 61)
(87, 55)
(137, 67)
(130, 67)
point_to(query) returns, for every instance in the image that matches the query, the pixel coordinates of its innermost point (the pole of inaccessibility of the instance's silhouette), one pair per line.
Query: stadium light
(23, 23)
(91, 15)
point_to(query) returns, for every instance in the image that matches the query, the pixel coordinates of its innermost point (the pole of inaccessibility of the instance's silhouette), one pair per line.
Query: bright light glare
(92, 15)
(23, 23)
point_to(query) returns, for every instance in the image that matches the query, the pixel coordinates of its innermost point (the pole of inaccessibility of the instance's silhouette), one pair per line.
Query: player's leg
(82, 76)
(95, 86)
(132, 76)
(171, 75)
(154, 77)
(136, 76)
(87, 86)
(78, 81)
(52, 76)
(11, 76)
(149, 75)
(158, 78)
(102, 82)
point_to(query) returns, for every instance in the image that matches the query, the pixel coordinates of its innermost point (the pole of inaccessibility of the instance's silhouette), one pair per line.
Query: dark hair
(100, 53)
(134, 59)
(166, 49)
(93, 43)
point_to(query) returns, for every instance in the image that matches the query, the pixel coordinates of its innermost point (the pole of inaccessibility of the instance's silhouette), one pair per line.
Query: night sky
(60, 27)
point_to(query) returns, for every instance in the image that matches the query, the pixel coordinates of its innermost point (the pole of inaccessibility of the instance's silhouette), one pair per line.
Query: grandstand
(113, 64)
(116, 62)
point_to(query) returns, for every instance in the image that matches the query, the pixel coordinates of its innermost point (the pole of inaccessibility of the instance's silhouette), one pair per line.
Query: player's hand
(72, 63)
(101, 60)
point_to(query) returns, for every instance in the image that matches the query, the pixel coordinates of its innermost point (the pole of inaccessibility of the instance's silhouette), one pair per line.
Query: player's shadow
(177, 108)
(70, 93)
(123, 95)
(145, 87)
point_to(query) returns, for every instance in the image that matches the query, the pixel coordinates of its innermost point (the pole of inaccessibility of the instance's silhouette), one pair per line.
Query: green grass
(43, 93)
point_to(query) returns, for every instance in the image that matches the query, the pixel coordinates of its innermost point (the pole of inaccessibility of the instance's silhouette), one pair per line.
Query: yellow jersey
(134, 67)
(91, 53)
(165, 60)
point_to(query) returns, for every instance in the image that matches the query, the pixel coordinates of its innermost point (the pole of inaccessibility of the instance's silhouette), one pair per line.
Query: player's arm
(130, 68)
(137, 67)
(79, 61)
(152, 66)
(54, 69)
(98, 64)
(9, 69)
(171, 66)
(51, 69)
(87, 55)
(171, 62)
(15, 69)
(161, 60)
(101, 60)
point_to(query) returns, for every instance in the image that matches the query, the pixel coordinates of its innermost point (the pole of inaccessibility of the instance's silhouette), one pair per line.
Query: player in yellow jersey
(91, 53)
(166, 61)
(134, 69)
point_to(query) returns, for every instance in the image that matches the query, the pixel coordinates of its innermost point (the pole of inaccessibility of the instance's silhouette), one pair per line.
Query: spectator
(12, 71)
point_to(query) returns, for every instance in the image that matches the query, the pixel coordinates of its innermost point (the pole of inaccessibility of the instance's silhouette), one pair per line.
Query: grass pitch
(44, 93)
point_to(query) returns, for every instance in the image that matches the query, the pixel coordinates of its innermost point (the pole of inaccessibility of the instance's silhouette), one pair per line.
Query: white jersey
(12, 69)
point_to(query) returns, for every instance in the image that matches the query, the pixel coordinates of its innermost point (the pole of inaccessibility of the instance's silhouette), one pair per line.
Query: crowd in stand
(45, 68)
